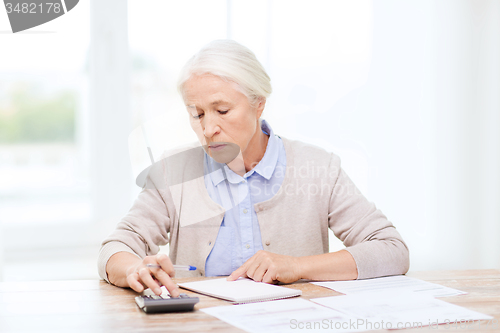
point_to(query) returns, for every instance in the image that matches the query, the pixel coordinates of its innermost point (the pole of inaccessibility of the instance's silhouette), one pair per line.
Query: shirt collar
(267, 164)
(220, 171)
(214, 170)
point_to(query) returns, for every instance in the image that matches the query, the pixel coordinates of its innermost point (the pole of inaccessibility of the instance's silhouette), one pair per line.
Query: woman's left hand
(269, 267)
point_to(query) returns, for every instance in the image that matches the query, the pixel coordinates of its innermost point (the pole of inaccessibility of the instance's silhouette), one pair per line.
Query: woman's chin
(222, 152)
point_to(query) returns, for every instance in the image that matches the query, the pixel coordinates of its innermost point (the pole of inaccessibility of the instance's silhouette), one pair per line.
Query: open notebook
(242, 290)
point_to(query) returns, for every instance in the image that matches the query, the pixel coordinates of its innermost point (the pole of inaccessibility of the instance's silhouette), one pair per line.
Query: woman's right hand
(140, 276)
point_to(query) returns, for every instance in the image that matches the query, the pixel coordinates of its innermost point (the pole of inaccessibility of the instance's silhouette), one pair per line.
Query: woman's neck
(254, 153)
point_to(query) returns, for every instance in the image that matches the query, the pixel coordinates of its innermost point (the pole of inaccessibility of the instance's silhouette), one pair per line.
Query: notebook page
(242, 290)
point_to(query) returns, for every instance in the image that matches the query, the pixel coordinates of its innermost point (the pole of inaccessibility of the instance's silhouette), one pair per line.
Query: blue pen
(176, 267)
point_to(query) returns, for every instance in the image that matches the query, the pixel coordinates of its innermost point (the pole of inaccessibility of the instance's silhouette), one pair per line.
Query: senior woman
(262, 205)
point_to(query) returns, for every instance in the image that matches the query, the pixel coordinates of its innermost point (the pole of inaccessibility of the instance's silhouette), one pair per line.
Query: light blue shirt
(239, 234)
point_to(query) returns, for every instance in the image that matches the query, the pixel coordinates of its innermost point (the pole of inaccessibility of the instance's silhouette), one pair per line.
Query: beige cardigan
(316, 194)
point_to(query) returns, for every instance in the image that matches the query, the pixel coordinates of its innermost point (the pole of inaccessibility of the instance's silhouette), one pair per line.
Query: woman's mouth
(216, 146)
(222, 152)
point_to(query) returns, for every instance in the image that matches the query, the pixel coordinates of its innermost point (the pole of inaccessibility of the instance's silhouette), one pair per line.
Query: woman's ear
(260, 105)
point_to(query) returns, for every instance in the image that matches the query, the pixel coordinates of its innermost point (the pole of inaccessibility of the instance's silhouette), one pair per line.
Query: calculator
(165, 303)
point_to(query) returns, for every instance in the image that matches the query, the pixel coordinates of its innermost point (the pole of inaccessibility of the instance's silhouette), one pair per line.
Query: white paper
(399, 283)
(290, 315)
(242, 290)
(381, 310)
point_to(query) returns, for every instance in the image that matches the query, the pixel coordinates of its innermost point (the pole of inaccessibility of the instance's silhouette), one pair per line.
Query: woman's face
(222, 117)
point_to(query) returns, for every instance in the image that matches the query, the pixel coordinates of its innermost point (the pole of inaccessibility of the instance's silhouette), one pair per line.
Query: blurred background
(405, 92)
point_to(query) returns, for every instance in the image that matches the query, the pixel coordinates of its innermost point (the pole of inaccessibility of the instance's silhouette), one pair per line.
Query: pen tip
(192, 268)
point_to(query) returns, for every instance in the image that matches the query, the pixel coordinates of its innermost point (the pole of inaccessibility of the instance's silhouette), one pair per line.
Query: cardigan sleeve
(373, 241)
(141, 231)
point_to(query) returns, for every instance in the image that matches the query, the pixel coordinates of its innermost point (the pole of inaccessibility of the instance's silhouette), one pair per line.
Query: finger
(259, 272)
(253, 268)
(147, 280)
(239, 272)
(242, 271)
(165, 280)
(166, 264)
(133, 282)
(270, 276)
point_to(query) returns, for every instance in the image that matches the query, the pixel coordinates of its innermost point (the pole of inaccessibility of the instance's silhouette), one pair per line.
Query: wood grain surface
(95, 306)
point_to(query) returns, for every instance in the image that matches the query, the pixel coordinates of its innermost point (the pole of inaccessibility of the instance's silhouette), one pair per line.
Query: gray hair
(230, 61)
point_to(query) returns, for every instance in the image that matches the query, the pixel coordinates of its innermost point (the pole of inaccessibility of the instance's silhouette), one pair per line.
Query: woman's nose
(210, 126)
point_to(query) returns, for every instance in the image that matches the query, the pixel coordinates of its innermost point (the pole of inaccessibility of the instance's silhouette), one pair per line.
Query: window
(44, 170)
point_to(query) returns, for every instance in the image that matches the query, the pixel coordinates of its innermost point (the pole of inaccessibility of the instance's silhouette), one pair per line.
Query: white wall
(406, 92)
(409, 101)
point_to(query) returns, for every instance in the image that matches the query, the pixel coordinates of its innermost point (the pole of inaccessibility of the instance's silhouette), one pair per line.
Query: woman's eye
(223, 111)
(198, 116)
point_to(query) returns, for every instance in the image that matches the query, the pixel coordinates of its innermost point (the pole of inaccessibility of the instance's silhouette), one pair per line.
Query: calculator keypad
(165, 303)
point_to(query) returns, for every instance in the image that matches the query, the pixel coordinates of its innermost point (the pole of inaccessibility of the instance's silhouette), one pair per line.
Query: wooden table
(95, 306)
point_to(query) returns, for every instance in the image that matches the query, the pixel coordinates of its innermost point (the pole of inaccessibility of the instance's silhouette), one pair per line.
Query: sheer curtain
(44, 176)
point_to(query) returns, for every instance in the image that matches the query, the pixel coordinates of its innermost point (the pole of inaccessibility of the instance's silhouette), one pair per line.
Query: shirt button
(268, 243)
(245, 211)
(247, 246)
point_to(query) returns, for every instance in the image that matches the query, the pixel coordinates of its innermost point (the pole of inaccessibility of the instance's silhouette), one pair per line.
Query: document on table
(382, 310)
(398, 283)
(289, 315)
(243, 290)
(347, 313)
